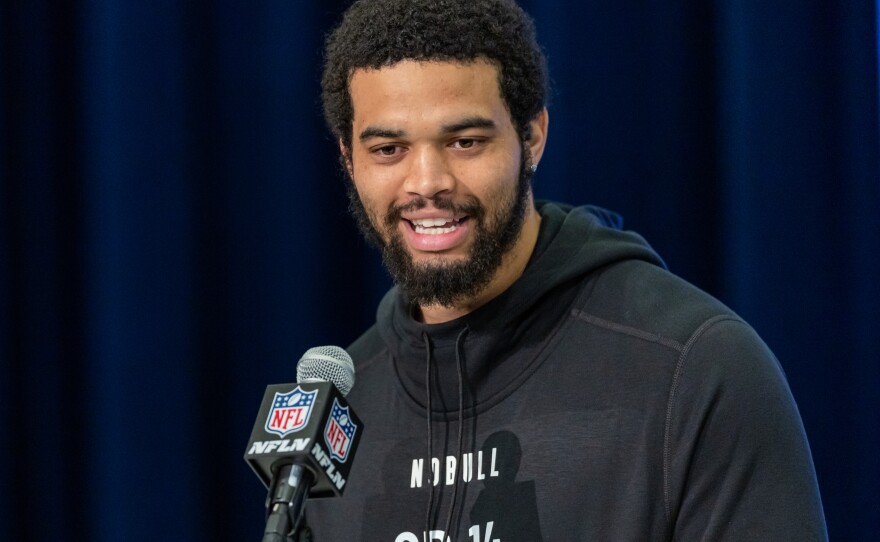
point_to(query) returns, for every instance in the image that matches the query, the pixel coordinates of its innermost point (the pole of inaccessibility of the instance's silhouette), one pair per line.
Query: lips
(435, 234)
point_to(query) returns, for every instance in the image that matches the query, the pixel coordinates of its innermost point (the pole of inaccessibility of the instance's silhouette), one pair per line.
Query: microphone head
(327, 364)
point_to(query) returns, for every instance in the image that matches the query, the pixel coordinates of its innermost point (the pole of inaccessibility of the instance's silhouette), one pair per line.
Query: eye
(466, 143)
(387, 150)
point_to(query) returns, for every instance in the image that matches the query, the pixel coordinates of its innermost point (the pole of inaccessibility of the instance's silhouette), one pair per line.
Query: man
(535, 374)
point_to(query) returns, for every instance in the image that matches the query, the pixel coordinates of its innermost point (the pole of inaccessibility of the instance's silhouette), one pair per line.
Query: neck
(513, 264)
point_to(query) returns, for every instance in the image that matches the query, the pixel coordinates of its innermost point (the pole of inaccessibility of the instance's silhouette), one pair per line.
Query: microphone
(304, 439)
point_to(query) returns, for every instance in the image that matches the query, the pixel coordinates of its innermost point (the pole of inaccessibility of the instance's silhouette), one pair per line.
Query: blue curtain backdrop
(174, 234)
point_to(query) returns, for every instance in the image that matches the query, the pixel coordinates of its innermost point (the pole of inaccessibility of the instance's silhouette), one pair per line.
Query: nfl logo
(339, 432)
(290, 411)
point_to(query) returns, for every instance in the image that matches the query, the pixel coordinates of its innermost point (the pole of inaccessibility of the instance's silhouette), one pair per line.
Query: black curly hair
(377, 33)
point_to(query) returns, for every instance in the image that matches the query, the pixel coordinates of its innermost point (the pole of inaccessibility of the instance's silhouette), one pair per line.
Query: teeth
(431, 226)
(434, 231)
(429, 222)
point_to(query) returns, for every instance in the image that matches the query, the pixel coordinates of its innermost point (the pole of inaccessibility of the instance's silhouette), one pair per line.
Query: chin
(437, 259)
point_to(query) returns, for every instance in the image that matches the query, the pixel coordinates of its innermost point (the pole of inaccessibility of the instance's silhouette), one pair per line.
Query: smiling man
(535, 373)
(442, 177)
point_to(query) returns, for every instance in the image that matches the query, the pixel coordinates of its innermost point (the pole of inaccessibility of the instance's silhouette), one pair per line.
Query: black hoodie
(603, 399)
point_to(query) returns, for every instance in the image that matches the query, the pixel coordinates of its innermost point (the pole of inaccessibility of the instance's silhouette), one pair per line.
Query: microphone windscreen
(327, 364)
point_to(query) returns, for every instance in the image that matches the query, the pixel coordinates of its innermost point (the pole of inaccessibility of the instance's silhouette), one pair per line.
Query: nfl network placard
(310, 424)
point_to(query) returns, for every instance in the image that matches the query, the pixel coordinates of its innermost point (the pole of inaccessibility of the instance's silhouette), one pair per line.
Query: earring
(534, 167)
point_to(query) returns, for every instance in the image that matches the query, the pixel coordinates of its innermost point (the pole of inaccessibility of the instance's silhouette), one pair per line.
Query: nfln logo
(339, 432)
(290, 411)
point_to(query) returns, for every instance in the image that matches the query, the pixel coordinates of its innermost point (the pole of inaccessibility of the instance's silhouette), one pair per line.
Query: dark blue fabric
(174, 233)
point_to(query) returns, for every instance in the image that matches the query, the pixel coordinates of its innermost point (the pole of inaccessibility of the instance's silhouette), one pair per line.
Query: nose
(429, 174)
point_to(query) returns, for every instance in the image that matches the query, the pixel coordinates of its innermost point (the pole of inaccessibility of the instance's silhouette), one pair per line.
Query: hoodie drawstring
(459, 344)
(430, 436)
(458, 363)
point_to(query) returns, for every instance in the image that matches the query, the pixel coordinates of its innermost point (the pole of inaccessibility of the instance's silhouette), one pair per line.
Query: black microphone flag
(309, 424)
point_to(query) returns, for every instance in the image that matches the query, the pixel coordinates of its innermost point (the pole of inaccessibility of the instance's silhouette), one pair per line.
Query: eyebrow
(464, 124)
(468, 123)
(378, 131)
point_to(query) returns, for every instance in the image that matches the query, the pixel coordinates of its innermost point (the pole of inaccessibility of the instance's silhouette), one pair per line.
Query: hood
(503, 340)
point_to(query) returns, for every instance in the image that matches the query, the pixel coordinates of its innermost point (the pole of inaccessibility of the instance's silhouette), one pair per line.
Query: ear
(538, 136)
(345, 152)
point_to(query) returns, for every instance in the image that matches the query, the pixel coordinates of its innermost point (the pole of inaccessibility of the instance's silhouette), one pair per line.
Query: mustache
(471, 207)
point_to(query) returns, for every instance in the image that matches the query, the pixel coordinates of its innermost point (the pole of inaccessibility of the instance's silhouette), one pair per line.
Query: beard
(445, 283)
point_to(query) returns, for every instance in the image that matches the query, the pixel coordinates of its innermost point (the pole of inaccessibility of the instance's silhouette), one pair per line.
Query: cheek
(372, 200)
(367, 199)
(497, 183)
(503, 167)
(378, 189)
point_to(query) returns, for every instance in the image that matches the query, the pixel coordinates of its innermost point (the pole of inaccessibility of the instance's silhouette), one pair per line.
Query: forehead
(412, 92)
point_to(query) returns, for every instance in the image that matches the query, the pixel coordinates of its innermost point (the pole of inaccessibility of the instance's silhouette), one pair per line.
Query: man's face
(441, 176)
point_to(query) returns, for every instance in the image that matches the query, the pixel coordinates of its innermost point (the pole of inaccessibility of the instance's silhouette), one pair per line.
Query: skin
(440, 130)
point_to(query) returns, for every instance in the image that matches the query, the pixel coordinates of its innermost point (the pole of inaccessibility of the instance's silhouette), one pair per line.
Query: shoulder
(646, 298)
(367, 344)
(732, 434)
(714, 348)
(372, 362)
(707, 346)
(367, 350)
(710, 338)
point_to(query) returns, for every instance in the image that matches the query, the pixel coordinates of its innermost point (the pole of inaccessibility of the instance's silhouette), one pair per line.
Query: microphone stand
(285, 503)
